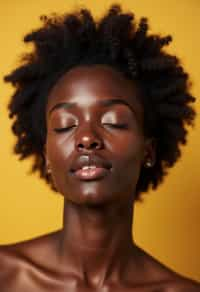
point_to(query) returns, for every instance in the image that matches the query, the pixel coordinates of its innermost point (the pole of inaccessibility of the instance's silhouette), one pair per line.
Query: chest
(24, 280)
(40, 285)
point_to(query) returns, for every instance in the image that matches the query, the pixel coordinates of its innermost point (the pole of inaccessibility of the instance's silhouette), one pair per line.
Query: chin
(94, 199)
(90, 199)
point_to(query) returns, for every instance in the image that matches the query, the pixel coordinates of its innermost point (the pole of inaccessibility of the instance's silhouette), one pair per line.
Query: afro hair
(73, 39)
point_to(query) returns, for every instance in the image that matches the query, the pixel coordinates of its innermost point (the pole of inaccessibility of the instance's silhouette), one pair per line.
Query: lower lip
(91, 174)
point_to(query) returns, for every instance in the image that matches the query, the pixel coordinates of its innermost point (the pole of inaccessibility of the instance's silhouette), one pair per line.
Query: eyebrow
(105, 103)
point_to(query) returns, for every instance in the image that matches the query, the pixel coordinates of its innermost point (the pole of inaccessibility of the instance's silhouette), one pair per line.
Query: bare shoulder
(31, 249)
(16, 260)
(164, 278)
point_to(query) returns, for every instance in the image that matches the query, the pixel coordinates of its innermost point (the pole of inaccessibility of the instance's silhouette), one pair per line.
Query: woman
(102, 109)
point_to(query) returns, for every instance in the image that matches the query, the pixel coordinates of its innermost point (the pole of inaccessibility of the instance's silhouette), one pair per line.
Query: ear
(47, 163)
(45, 156)
(150, 151)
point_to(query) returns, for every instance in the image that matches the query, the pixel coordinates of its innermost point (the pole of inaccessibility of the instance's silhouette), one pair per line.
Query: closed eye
(60, 130)
(118, 126)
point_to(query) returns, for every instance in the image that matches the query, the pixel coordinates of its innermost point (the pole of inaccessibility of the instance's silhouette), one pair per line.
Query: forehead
(87, 85)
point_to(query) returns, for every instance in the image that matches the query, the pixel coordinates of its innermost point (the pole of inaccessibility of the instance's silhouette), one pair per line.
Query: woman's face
(94, 118)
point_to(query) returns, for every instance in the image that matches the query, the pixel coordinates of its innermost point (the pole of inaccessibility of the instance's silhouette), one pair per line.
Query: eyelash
(117, 126)
(60, 130)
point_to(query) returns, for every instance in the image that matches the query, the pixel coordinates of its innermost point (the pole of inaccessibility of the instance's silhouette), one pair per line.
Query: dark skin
(95, 250)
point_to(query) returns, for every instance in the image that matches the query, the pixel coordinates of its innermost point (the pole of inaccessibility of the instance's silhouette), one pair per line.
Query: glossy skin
(94, 251)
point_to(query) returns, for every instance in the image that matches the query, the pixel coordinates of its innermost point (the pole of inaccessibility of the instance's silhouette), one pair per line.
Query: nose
(88, 139)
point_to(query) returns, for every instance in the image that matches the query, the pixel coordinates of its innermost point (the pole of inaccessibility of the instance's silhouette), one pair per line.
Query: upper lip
(88, 160)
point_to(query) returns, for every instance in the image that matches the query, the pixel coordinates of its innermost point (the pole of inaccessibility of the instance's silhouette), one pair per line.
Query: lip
(89, 160)
(91, 174)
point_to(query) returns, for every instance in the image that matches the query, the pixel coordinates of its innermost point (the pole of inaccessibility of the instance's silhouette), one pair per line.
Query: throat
(95, 243)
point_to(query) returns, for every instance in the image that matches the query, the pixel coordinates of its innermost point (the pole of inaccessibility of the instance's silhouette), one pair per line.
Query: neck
(96, 242)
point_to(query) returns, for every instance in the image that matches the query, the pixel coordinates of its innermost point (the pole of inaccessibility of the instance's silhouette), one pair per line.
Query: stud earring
(148, 164)
(48, 169)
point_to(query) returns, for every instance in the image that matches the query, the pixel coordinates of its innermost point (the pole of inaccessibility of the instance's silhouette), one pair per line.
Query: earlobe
(150, 153)
(47, 164)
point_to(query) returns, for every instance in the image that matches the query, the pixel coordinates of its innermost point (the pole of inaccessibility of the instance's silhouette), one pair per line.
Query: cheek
(127, 149)
(59, 148)
(58, 153)
(128, 157)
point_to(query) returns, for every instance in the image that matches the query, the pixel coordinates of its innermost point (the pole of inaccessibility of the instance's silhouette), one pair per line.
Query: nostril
(80, 146)
(93, 145)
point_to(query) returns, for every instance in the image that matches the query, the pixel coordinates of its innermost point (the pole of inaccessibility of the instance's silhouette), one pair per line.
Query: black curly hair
(74, 39)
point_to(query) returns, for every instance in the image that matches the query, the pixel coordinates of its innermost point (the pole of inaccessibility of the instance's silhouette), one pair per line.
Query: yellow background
(167, 223)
